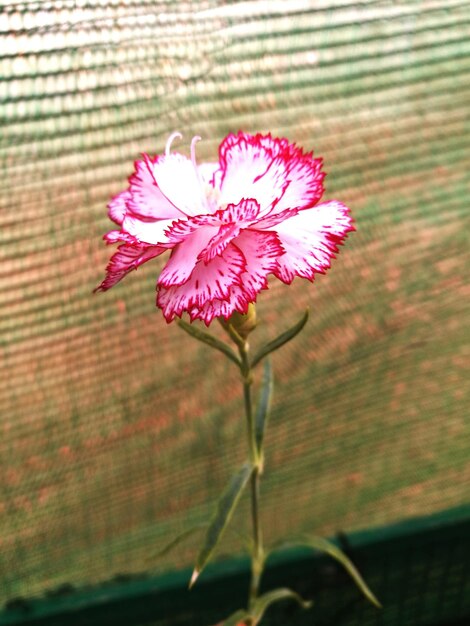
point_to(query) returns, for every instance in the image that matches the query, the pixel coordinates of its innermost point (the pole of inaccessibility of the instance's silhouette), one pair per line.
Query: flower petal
(228, 223)
(182, 229)
(119, 236)
(303, 173)
(234, 218)
(278, 173)
(207, 172)
(305, 178)
(235, 301)
(154, 233)
(127, 257)
(310, 240)
(206, 283)
(185, 256)
(117, 207)
(273, 218)
(146, 198)
(261, 251)
(245, 212)
(218, 243)
(178, 179)
(251, 170)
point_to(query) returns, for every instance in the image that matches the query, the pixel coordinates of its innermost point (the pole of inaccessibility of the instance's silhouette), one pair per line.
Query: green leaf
(246, 539)
(264, 403)
(323, 545)
(236, 618)
(223, 513)
(176, 541)
(210, 340)
(262, 603)
(277, 343)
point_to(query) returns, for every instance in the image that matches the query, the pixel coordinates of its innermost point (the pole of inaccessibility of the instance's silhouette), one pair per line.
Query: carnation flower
(229, 225)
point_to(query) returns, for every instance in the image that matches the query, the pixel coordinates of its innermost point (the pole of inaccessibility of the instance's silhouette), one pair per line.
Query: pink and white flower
(229, 225)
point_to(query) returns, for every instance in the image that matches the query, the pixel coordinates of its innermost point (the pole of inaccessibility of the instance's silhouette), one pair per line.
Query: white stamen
(171, 138)
(194, 141)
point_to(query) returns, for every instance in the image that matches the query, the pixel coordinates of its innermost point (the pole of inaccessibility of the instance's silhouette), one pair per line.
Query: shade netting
(119, 431)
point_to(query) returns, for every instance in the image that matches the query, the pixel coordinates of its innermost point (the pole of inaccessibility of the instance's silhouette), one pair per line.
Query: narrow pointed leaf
(323, 545)
(277, 343)
(260, 606)
(264, 403)
(236, 618)
(194, 576)
(223, 513)
(176, 541)
(210, 340)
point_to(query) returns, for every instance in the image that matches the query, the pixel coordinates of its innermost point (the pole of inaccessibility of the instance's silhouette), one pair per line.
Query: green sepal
(210, 340)
(323, 545)
(264, 404)
(231, 331)
(283, 338)
(261, 604)
(223, 513)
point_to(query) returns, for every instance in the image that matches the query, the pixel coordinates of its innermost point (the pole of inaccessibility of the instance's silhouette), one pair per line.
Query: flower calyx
(240, 325)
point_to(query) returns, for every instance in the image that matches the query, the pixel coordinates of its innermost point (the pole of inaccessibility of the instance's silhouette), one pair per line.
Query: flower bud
(243, 324)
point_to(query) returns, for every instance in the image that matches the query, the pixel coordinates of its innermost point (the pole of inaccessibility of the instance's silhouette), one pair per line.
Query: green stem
(255, 455)
(258, 557)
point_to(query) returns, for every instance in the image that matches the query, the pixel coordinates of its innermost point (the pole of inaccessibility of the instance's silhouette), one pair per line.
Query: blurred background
(117, 430)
